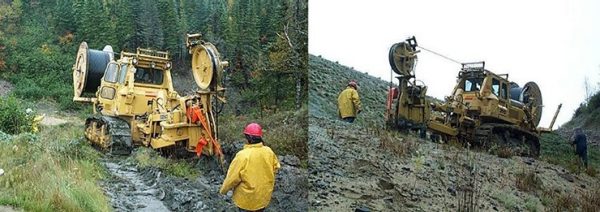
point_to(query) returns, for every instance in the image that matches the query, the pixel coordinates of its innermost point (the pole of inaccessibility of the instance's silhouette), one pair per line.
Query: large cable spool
(206, 65)
(402, 57)
(530, 93)
(89, 69)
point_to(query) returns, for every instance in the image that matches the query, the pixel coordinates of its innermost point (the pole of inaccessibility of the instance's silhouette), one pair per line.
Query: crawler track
(520, 142)
(109, 134)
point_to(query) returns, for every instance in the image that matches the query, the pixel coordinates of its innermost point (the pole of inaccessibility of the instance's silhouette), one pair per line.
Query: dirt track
(5, 87)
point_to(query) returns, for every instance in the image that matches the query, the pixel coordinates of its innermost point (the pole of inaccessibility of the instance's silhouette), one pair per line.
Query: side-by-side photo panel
(453, 106)
(155, 105)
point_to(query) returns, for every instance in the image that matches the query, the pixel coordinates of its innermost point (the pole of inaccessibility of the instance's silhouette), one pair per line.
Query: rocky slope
(362, 167)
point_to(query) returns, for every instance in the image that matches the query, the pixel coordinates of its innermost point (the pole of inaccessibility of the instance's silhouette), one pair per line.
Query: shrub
(590, 200)
(13, 119)
(397, 146)
(284, 131)
(505, 152)
(527, 180)
(563, 202)
(594, 102)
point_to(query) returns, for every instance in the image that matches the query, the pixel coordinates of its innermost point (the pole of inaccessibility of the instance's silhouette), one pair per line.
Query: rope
(441, 55)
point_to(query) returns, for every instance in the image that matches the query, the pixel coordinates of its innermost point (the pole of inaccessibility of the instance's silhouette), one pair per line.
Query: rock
(290, 160)
(567, 177)
(321, 185)
(410, 205)
(323, 195)
(452, 191)
(362, 209)
(5, 87)
(529, 161)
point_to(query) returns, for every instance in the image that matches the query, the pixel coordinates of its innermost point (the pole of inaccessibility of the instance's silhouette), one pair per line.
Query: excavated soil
(131, 188)
(356, 168)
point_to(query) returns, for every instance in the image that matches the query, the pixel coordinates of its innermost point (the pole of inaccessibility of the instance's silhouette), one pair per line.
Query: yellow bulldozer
(135, 104)
(484, 109)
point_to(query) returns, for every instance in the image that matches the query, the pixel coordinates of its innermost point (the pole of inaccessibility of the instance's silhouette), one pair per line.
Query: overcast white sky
(555, 43)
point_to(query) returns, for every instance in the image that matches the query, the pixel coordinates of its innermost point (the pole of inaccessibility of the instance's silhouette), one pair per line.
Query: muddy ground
(355, 168)
(131, 188)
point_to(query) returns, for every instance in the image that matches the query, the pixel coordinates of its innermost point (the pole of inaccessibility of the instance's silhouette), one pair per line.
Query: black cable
(96, 65)
(441, 55)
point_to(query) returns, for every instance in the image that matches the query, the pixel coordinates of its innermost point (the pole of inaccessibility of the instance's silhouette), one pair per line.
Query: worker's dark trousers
(583, 158)
(348, 119)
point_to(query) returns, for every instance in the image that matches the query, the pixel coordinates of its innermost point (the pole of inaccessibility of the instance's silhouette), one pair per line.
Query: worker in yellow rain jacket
(349, 102)
(251, 174)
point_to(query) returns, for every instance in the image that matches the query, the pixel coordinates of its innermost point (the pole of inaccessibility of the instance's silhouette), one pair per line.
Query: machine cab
(482, 91)
(148, 72)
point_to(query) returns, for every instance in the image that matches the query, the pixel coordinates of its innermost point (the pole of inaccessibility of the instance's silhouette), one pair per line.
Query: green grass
(507, 199)
(528, 181)
(531, 204)
(146, 157)
(558, 150)
(55, 170)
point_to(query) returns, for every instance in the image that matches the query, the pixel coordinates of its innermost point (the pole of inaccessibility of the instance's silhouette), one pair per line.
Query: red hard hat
(352, 83)
(253, 129)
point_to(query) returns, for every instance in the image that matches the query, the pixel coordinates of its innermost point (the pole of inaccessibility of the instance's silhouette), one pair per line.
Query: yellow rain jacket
(35, 123)
(348, 103)
(252, 176)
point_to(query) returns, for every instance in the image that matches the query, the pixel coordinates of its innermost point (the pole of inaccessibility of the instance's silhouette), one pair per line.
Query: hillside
(327, 79)
(362, 167)
(587, 116)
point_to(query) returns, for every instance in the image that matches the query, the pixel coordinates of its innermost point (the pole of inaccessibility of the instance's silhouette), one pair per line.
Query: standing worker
(580, 141)
(349, 102)
(251, 174)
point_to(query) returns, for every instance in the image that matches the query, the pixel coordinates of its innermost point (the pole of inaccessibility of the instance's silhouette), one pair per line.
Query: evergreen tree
(170, 26)
(265, 41)
(123, 24)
